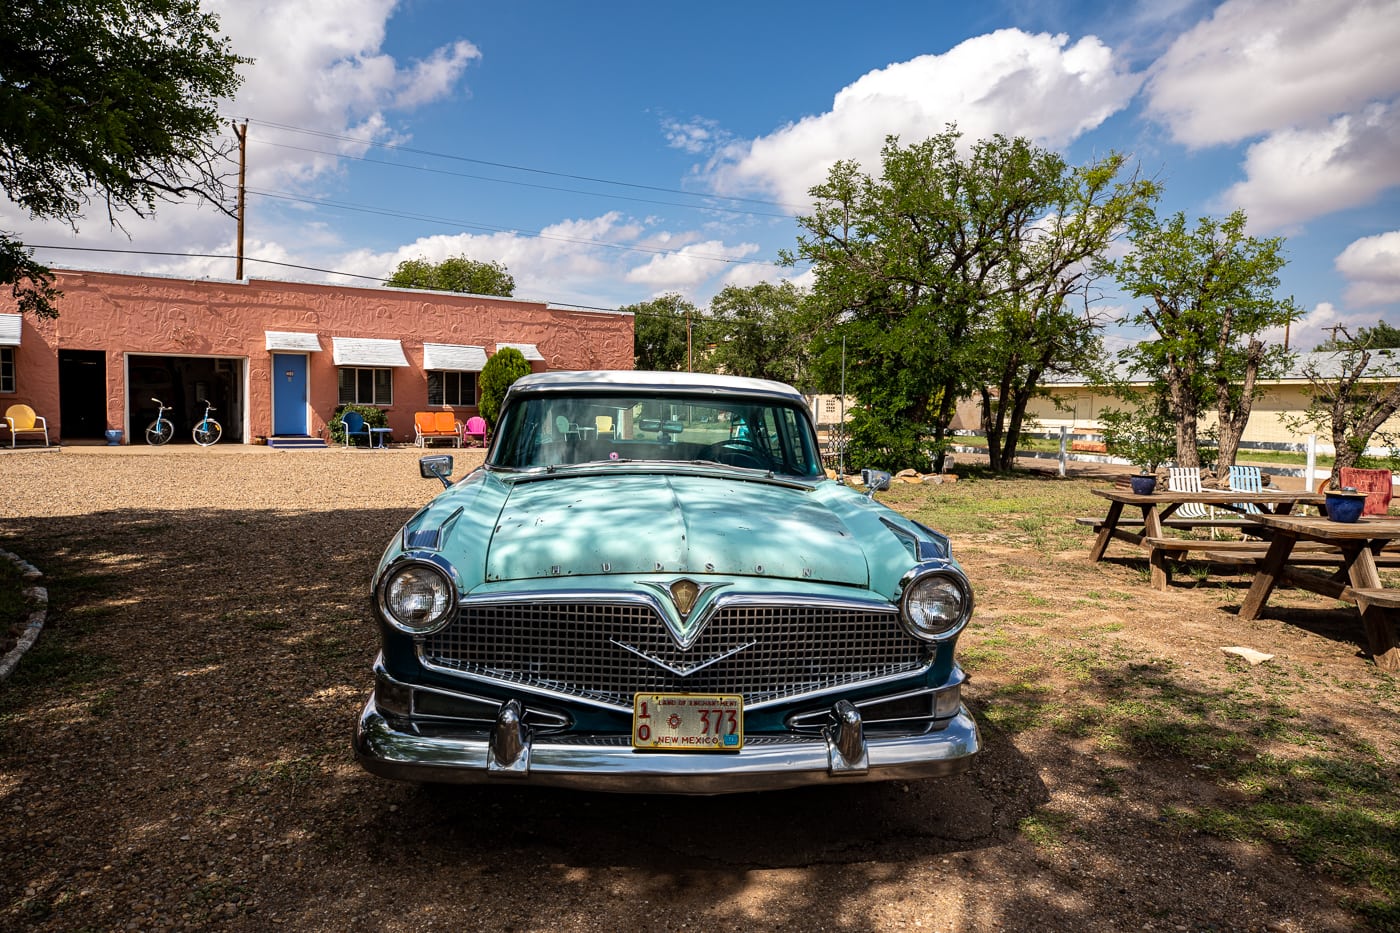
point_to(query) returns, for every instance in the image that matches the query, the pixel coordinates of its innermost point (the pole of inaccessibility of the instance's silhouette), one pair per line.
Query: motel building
(275, 358)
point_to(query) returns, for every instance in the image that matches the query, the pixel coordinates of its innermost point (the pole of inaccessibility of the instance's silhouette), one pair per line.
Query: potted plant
(1344, 503)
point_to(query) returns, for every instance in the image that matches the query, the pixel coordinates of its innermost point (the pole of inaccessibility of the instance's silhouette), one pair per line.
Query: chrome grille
(576, 649)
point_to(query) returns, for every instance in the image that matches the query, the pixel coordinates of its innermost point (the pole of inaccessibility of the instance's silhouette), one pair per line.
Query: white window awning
(10, 326)
(367, 351)
(452, 356)
(528, 350)
(285, 340)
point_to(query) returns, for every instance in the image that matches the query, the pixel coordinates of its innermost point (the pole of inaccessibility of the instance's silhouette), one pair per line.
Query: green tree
(1210, 294)
(661, 328)
(1355, 390)
(763, 331)
(455, 274)
(955, 274)
(499, 374)
(107, 100)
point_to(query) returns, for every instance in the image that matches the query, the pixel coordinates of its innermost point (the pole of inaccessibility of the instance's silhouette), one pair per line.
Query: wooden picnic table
(1359, 544)
(1156, 507)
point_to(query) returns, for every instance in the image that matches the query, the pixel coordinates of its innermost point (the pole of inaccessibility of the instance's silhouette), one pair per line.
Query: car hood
(629, 524)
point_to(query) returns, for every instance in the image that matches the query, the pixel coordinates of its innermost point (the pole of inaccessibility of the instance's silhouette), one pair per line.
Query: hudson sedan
(652, 586)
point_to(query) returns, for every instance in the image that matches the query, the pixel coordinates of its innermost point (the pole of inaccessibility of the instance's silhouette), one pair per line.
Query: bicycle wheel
(159, 432)
(207, 432)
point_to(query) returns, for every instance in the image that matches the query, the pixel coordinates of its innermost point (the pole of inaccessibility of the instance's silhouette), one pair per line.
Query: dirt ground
(184, 762)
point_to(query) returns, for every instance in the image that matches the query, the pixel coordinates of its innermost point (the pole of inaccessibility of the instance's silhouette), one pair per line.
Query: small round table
(381, 435)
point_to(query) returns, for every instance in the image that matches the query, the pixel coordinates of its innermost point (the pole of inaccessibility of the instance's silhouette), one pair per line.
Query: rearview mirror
(438, 467)
(874, 480)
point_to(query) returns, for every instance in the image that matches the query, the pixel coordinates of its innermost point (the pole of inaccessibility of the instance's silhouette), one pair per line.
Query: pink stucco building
(275, 358)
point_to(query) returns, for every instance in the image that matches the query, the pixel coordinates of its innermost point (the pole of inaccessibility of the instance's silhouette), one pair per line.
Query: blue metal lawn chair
(354, 425)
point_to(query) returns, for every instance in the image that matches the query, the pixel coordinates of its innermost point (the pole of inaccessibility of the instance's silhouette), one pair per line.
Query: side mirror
(438, 467)
(874, 480)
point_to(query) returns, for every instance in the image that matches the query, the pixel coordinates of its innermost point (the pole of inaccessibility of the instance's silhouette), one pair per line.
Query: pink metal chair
(474, 431)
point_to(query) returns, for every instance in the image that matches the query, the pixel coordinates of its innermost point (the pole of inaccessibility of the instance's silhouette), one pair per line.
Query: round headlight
(418, 598)
(935, 604)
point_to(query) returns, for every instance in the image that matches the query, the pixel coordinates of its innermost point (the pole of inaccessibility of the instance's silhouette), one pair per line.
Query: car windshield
(553, 430)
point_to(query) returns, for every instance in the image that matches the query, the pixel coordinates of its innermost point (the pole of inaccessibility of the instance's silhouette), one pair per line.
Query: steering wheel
(737, 451)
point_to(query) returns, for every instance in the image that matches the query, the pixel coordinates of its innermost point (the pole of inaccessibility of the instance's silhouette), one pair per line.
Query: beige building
(1076, 404)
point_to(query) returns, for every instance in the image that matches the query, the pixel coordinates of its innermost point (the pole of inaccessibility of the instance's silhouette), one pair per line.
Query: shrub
(374, 417)
(499, 373)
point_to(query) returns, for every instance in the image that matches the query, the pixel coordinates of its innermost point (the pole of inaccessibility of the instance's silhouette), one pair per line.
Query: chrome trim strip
(606, 763)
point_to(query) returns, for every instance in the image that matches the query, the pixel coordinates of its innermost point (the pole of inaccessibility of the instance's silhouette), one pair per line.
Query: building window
(446, 387)
(7, 369)
(366, 386)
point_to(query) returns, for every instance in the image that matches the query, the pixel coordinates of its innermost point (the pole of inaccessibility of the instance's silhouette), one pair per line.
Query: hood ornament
(685, 596)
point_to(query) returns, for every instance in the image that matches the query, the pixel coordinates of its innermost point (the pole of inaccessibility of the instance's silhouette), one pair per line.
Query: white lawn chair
(1188, 479)
(1246, 479)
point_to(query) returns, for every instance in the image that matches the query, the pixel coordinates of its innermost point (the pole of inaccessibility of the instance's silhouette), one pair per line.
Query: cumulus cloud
(1295, 175)
(1007, 81)
(1371, 266)
(689, 266)
(331, 53)
(1256, 66)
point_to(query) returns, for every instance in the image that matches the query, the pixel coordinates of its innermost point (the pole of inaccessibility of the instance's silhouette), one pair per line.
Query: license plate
(688, 722)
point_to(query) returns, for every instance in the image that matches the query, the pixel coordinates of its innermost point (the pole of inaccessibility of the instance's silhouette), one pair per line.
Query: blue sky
(611, 152)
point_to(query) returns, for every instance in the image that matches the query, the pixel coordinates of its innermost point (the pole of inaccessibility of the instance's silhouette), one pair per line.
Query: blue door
(288, 393)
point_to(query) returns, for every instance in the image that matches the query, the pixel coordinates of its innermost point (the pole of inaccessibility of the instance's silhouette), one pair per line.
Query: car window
(555, 429)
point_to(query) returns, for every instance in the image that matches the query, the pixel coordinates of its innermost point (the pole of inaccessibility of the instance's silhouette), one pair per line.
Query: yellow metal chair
(20, 419)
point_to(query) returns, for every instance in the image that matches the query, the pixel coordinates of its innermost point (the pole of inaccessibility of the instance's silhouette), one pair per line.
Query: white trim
(528, 350)
(367, 352)
(281, 341)
(453, 357)
(10, 327)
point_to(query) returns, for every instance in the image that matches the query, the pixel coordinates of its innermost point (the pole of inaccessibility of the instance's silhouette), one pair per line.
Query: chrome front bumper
(510, 751)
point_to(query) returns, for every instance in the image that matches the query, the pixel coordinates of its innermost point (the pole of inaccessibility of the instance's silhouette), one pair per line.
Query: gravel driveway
(182, 759)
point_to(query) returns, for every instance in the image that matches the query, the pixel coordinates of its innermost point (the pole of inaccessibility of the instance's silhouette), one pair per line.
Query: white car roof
(625, 379)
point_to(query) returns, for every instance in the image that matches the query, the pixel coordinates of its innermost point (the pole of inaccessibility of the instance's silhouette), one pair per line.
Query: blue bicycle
(161, 430)
(208, 431)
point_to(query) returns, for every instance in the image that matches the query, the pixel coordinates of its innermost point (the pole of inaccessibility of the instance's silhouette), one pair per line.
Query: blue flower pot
(1345, 506)
(114, 438)
(1143, 484)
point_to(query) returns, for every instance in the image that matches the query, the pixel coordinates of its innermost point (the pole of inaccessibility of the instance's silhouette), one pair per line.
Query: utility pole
(689, 353)
(242, 133)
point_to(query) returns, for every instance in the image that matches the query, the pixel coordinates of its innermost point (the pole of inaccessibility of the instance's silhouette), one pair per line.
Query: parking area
(176, 754)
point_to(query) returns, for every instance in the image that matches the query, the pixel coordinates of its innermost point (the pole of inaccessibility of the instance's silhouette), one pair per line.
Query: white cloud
(1007, 81)
(688, 267)
(1256, 66)
(695, 136)
(1372, 267)
(1295, 175)
(1314, 327)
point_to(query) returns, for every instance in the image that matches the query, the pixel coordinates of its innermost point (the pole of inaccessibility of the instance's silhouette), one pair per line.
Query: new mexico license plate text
(688, 722)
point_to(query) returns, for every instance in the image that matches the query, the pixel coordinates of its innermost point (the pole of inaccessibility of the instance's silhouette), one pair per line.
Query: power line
(394, 147)
(489, 228)
(526, 184)
(292, 265)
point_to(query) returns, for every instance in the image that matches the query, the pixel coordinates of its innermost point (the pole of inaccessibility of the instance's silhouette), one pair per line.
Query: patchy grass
(1044, 665)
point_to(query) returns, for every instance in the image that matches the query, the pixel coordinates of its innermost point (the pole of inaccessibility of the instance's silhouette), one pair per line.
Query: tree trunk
(1234, 418)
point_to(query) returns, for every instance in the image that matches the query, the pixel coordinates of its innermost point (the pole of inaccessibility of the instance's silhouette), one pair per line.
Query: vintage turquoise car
(651, 586)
